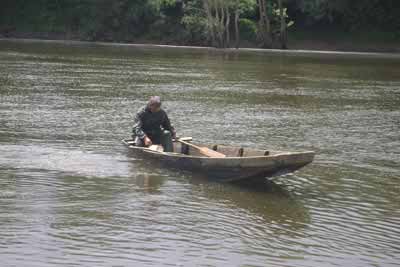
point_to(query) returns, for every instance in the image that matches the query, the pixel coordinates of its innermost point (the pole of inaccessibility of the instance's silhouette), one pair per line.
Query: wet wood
(204, 150)
(238, 164)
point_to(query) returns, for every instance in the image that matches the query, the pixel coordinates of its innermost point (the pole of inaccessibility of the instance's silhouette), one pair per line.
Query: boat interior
(194, 149)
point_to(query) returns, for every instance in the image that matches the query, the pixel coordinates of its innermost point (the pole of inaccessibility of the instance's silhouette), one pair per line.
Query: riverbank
(387, 55)
(308, 41)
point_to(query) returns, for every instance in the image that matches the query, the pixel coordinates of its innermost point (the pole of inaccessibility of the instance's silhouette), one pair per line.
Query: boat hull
(229, 169)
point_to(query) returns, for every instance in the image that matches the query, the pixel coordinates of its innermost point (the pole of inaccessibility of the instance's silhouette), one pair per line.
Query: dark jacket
(150, 124)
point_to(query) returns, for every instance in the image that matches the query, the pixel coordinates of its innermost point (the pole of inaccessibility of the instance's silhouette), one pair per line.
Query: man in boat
(152, 126)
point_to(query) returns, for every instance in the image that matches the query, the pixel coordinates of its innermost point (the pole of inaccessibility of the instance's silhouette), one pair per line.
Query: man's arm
(137, 126)
(167, 125)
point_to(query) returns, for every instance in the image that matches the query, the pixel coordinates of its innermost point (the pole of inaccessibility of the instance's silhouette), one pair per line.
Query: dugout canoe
(238, 163)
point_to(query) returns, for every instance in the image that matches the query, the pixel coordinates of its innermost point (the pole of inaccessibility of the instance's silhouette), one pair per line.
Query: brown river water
(71, 195)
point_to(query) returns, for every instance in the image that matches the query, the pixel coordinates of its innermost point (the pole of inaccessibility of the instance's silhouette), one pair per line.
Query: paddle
(203, 150)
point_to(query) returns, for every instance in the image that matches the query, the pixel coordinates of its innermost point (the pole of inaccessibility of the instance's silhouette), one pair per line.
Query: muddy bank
(294, 44)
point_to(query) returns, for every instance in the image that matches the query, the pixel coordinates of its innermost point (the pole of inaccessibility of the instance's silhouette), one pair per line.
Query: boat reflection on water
(145, 176)
(148, 182)
(267, 200)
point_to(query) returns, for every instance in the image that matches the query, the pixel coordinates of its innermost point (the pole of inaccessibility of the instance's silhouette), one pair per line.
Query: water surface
(71, 195)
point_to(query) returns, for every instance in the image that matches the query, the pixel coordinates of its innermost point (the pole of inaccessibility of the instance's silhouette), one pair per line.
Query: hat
(154, 101)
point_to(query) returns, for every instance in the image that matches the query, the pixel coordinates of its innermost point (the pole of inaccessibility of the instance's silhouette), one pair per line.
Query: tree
(240, 7)
(210, 22)
(282, 32)
(265, 33)
(218, 21)
(218, 15)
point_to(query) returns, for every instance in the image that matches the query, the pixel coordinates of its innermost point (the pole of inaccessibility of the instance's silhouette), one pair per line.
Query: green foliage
(276, 17)
(185, 20)
(196, 27)
(353, 14)
(194, 22)
(248, 29)
(247, 8)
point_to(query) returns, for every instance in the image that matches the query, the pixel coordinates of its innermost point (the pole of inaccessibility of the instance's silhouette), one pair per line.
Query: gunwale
(232, 168)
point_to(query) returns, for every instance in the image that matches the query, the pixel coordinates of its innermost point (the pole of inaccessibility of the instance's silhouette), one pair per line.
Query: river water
(70, 194)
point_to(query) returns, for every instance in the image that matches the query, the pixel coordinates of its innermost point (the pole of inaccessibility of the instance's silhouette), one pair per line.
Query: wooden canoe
(238, 164)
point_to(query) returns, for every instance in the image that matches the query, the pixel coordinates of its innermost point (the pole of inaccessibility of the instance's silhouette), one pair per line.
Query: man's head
(154, 104)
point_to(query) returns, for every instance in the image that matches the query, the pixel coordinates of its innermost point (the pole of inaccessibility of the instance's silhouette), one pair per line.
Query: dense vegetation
(220, 23)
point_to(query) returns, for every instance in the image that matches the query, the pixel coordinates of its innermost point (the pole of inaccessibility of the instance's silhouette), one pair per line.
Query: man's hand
(147, 141)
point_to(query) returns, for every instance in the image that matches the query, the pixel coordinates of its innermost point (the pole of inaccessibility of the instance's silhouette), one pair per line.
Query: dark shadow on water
(152, 170)
(254, 184)
(148, 182)
(261, 184)
(261, 197)
(264, 199)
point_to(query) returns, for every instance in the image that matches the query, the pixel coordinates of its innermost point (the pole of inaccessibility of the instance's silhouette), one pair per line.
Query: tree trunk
(218, 24)
(237, 33)
(265, 16)
(265, 25)
(222, 25)
(210, 22)
(227, 22)
(261, 19)
(283, 33)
